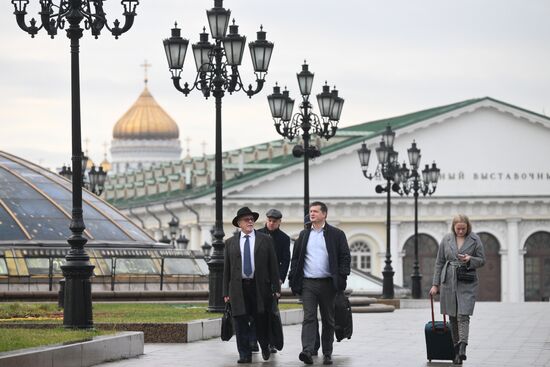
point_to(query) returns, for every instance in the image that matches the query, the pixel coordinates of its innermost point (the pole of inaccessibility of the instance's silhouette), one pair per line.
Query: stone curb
(82, 354)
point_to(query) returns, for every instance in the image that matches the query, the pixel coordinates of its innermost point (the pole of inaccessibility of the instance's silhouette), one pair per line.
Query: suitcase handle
(433, 316)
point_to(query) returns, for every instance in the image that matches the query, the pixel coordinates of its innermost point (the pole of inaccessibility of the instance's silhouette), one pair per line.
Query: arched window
(427, 252)
(537, 267)
(489, 274)
(360, 256)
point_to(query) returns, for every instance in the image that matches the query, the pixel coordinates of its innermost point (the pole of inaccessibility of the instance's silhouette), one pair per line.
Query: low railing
(48, 278)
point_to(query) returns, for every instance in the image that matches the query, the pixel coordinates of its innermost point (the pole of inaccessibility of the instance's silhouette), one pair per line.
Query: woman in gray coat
(460, 248)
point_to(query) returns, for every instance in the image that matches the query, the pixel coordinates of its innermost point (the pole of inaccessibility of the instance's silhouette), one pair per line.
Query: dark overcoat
(457, 297)
(339, 258)
(266, 272)
(282, 249)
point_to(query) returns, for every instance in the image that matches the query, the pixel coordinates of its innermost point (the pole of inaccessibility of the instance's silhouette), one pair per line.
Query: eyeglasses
(247, 219)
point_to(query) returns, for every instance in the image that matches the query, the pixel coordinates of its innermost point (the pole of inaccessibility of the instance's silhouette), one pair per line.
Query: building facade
(493, 164)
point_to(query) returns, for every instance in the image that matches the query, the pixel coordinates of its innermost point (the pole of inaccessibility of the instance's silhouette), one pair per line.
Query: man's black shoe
(265, 354)
(245, 359)
(315, 353)
(327, 359)
(305, 357)
(272, 349)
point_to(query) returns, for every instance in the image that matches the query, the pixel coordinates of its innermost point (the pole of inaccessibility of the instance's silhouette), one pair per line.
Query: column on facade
(504, 274)
(195, 242)
(513, 261)
(397, 260)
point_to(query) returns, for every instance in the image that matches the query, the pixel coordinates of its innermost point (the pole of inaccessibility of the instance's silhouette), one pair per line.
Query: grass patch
(114, 312)
(12, 339)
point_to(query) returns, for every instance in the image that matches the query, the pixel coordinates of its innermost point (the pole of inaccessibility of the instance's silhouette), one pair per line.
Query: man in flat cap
(281, 241)
(250, 281)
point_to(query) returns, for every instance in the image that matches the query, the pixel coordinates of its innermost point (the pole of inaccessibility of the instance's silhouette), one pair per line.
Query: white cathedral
(494, 168)
(143, 135)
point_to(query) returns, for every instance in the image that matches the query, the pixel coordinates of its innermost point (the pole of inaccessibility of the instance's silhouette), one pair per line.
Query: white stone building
(494, 168)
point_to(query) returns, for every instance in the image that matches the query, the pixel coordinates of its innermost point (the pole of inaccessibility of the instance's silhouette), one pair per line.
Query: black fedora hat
(242, 212)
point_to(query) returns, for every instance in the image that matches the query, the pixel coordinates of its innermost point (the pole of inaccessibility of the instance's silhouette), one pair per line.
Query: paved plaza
(502, 334)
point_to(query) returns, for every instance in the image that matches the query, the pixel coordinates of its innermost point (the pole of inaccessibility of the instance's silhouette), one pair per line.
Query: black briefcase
(439, 342)
(343, 319)
(227, 323)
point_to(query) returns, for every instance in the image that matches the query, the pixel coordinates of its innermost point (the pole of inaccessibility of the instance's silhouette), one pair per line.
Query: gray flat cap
(274, 213)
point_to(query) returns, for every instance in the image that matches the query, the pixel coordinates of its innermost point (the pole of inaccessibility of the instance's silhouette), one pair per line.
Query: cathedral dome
(146, 120)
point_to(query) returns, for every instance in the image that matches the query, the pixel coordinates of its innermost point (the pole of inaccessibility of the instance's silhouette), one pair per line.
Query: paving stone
(499, 337)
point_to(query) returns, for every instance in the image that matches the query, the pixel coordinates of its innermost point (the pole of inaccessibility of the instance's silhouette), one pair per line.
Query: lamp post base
(387, 284)
(416, 286)
(77, 307)
(215, 286)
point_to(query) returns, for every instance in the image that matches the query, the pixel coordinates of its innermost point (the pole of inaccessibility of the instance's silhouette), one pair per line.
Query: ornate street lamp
(386, 169)
(409, 181)
(96, 177)
(206, 250)
(96, 182)
(182, 242)
(305, 121)
(66, 172)
(173, 226)
(217, 65)
(69, 15)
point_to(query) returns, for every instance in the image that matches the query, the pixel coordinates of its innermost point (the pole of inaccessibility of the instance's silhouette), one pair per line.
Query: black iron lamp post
(182, 242)
(306, 122)
(409, 181)
(96, 177)
(386, 169)
(206, 251)
(217, 72)
(74, 16)
(96, 180)
(173, 226)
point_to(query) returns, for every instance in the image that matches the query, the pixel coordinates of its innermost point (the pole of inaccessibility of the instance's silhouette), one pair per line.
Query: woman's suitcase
(439, 342)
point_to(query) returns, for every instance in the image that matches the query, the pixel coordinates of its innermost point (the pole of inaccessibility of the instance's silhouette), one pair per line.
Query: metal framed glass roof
(36, 204)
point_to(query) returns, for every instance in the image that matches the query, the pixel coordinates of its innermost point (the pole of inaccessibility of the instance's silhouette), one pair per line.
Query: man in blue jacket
(319, 268)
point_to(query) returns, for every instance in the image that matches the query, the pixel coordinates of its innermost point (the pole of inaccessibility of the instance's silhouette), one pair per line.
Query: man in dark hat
(250, 281)
(281, 241)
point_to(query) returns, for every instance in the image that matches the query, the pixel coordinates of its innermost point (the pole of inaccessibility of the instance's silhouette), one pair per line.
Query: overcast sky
(386, 57)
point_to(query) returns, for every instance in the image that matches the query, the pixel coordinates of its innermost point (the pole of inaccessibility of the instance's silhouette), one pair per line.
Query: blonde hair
(461, 218)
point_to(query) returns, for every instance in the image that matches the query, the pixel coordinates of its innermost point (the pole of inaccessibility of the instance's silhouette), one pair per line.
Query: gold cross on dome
(145, 65)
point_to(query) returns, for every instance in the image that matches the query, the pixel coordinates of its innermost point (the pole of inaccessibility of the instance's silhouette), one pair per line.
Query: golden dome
(89, 164)
(106, 165)
(146, 120)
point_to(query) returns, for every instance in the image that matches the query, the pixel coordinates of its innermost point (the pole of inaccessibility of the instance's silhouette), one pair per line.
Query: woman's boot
(457, 359)
(462, 351)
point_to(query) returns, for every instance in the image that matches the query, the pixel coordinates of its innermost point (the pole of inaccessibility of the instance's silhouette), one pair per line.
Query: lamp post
(96, 177)
(206, 250)
(305, 121)
(68, 15)
(173, 228)
(386, 169)
(409, 181)
(217, 72)
(182, 242)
